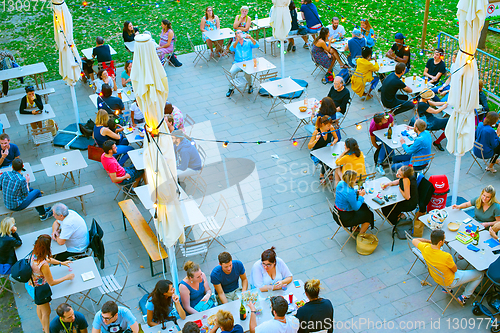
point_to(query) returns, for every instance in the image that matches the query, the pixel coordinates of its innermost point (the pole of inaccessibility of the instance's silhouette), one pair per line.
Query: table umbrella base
(67, 135)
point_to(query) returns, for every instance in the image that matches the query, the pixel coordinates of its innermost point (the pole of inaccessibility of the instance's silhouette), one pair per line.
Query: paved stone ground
(273, 202)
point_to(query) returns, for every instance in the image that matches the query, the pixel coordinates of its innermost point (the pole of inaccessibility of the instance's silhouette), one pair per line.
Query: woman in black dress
(321, 137)
(408, 187)
(318, 310)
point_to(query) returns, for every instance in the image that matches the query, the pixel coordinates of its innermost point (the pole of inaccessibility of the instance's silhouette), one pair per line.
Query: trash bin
(441, 189)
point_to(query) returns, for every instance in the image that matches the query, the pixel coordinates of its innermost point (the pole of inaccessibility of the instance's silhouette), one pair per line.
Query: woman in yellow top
(364, 73)
(351, 159)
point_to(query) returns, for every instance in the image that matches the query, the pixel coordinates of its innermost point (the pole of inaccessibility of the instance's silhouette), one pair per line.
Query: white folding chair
(126, 190)
(199, 51)
(211, 227)
(110, 285)
(239, 83)
(190, 123)
(336, 217)
(438, 277)
(4, 281)
(42, 135)
(419, 159)
(475, 159)
(194, 248)
(418, 256)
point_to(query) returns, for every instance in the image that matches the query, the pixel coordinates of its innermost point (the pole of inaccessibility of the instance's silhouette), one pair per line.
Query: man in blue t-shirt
(225, 278)
(113, 105)
(355, 46)
(68, 320)
(9, 151)
(114, 319)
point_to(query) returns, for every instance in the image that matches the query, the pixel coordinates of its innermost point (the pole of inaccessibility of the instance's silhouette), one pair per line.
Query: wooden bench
(273, 41)
(44, 92)
(37, 168)
(76, 193)
(144, 232)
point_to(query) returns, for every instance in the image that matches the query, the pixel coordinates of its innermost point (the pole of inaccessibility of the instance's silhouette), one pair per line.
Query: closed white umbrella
(281, 22)
(69, 59)
(150, 85)
(464, 87)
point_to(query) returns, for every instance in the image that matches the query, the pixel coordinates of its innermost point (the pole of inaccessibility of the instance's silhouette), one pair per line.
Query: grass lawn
(9, 319)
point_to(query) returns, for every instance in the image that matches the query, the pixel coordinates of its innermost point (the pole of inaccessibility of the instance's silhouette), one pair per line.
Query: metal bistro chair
(190, 123)
(418, 257)
(4, 281)
(199, 51)
(211, 227)
(479, 146)
(263, 78)
(341, 120)
(363, 178)
(423, 158)
(440, 282)
(110, 285)
(239, 83)
(336, 217)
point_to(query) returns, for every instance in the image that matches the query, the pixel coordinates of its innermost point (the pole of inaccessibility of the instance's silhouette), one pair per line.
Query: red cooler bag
(441, 189)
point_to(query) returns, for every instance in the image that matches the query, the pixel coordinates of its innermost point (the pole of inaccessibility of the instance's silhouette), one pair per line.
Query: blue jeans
(32, 195)
(313, 31)
(120, 149)
(383, 153)
(375, 81)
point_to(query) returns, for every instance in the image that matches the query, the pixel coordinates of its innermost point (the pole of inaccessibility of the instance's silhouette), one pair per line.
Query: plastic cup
(290, 298)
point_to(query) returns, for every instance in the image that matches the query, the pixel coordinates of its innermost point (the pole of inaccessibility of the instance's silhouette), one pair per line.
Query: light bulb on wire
(358, 126)
(109, 9)
(295, 143)
(225, 144)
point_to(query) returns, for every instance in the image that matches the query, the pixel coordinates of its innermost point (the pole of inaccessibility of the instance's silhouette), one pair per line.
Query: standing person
(225, 321)
(309, 13)
(102, 51)
(364, 73)
(421, 146)
(391, 85)
(408, 188)
(400, 52)
(17, 195)
(194, 289)
(435, 67)
(163, 304)
(323, 135)
(129, 32)
(270, 272)
(350, 159)
(42, 277)
(486, 207)
(113, 318)
(355, 46)
(9, 151)
(294, 30)
(69, 229)
(126, 80)
(318, 310)
(337, 31)
(242, 48)
(486, 136)
(9, 241)
(210, 22)
(367, 32)
(427, 113)
(380, 121)
(339, 94)
(166, 45)
(280, 323)
(68, 320)
(117, 173)
(443, 261)
(7, 61)
(225, 278)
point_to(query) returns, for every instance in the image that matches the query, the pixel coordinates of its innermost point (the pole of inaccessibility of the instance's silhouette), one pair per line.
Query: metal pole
(456, 176)
(282, 51)
(77, 115)
(173, 267)
(424, 28)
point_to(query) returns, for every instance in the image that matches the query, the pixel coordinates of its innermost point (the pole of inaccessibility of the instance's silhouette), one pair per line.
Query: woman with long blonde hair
(368, 33)
(486, 207)
(102, 133)
(9, 241)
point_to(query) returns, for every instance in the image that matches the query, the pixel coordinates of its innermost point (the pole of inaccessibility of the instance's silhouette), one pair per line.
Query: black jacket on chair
(96, 243)
(8, 246)
(425, 193)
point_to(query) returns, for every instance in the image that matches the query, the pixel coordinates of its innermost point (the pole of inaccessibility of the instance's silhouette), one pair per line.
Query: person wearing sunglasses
(113, 318)
(280, 323)
(271, 272)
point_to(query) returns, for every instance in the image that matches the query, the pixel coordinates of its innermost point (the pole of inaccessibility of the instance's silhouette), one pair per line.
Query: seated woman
(367, 31)
(351, 159)
(488, 137)
(9, 241)
(126, 80)
(102, 133)
(31, 104)
(176, 113)
(104, 78)
(136, 115)
(324, 54)
(351, 205)
(129, 31)
(194, 289)
(364, 73)
(407, 183)
(327, 108)
(163, 304)
(210, 22)
(318, 310)
(166, 46)
(323, 135)
(270, 272)
(486, 207)
(242, 21)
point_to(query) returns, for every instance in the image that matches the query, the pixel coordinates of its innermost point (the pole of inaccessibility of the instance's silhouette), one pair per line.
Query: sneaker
(229, 92)
(46, 216)
(444, 290)
(250, 89)
(380, 170)
(438, 146)
(305, 46)
(463, 299)
(289, 48)
(294, 48)
(48, 209)
(492, 170)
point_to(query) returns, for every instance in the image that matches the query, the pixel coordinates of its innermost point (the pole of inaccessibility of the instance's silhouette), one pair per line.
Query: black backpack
(21, 271)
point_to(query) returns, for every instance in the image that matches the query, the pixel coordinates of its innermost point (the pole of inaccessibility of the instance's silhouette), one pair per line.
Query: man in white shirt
(336, 30)
(69, 229)
(280, 324)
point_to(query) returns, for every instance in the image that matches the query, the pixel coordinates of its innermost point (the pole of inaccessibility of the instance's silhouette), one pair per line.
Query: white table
(219, 34)
(387, 65)
(4, 121)
(28, 171)
(26, 119)
(328, 155)
(278, 88)
(481, 261)
(262, 65)
(53, 165)
(169, 328)
(448, 110)
(137, 158)
(88, 52)
(125, 97)
(131, 45)
(34, 70)
(146, 200)
(76, 286)
(29, 241)
(416, 85)
(303, 117)
(454, 215)
(394, 143)
(136, 135)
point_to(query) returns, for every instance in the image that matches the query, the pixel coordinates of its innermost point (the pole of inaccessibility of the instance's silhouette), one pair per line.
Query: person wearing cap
(427, 111)
(435, 67)
(113, 105)
(187, 155)
(398, 103)
(280, 322)
(399, 51)
(337, 31)
(354, 46)
(17, 195)
(31, 104)
(8, 152)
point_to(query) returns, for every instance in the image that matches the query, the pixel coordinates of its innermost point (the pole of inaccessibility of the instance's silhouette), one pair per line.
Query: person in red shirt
(380, 121)
(117, 173)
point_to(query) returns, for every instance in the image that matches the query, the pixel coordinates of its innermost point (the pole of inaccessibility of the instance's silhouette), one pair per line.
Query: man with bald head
(340, 96)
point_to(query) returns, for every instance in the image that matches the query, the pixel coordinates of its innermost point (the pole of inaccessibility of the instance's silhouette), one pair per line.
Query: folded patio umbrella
(281, 22)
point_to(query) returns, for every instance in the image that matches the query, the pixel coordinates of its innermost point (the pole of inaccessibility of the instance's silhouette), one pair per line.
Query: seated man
(443, 261)
(483, 100)
(102, 52)
(17, 195)
(355, 46)
(380, 121)
(113, 318)
(427, 111)
(488, 137)
(117, 173)
(444, 89)
(340, 95)
(421, 146)
(337, 31)
(400, 52)
(113, 105)
(280, 323)
(70, 229)
(242, 48)
(190, 327)
(435, 67)
(190, 161)
(225, 278)
(9, 151)
(390, 86)
(68, 320)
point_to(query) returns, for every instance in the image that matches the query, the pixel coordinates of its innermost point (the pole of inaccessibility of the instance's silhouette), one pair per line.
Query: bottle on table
(243, 311)
(389, 132)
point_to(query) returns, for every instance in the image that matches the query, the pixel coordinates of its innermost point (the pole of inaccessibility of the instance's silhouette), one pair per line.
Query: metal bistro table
(387, 65)
(27, 119)
(28, 171)
(219, 34)
(263, 65)
(328, 155)
(136, 135)
(29, 241)
(303, 117)
(88, 52)
(125, 97)
(137, 158)
(416, 85)
(146, 200)
(4, 121)
(278, 89)
(53, 166)
(482, 259)
(394, 143)
(36, 71)
(76, 286)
